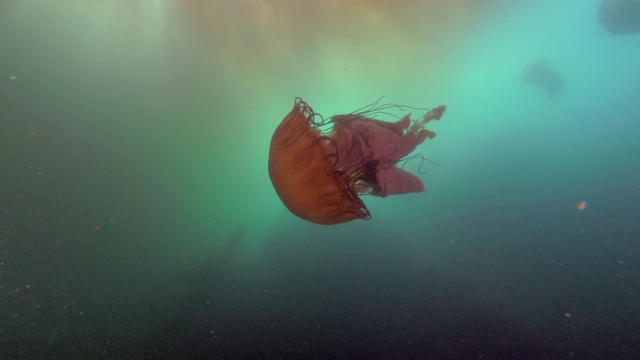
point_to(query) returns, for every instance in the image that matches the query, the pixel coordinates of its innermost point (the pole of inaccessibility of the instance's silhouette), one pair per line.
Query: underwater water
(138, 220)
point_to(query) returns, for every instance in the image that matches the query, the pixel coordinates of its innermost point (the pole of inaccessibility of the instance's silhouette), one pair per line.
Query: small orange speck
(582, 205)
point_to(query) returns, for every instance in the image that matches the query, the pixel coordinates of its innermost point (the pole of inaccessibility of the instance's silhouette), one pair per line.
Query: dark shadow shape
(620, 17)
(539, 73)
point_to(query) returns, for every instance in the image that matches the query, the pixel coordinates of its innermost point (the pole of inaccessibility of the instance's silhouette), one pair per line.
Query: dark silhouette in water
(539, 73)
(620, 16)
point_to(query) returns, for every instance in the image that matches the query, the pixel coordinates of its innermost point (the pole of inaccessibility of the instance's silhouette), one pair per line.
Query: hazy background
(137, 218)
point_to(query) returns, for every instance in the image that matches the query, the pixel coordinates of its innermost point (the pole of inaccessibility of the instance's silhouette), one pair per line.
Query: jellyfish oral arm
(395, 181)
(375, 147)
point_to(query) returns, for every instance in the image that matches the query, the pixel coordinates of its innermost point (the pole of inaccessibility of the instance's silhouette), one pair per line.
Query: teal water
(137, 218)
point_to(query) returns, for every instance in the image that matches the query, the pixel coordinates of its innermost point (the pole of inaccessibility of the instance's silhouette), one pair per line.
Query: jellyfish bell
(303, 173)
(320, 167)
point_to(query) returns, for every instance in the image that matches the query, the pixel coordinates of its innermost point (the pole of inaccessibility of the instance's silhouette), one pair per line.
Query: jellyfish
(540, 74)
(620, 16)
(320, 167)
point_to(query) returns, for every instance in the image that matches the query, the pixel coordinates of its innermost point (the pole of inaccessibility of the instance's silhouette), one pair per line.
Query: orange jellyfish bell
(319, 167)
